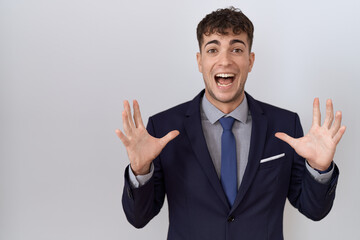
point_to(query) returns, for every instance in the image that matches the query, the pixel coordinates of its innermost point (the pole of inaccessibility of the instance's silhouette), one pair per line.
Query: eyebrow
(237, 41)
(212, 42)
(231, 42)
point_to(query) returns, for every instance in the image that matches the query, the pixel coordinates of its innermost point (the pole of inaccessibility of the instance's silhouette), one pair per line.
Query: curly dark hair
(221, 20)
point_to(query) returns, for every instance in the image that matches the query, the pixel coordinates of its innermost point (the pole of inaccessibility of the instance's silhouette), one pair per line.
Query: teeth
(225, 75)
(223, 85)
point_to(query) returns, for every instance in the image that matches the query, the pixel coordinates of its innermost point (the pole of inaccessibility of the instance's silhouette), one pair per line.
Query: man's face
(225, 61)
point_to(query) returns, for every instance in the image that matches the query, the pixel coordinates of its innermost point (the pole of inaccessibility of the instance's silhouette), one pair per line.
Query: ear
(198, 59)
(251, 60)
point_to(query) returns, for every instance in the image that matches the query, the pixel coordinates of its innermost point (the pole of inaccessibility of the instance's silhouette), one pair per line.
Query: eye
(237, 50)
(212, 50)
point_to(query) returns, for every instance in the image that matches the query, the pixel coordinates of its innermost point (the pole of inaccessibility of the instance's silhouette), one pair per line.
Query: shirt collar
(213, 114)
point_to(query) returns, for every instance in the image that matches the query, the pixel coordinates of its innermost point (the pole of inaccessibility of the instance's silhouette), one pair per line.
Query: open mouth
(224, 79)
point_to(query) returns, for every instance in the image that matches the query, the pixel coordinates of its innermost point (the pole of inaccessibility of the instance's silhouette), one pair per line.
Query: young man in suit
(225, 161)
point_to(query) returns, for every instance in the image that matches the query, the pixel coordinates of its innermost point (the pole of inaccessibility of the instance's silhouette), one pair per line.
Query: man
(226, 161)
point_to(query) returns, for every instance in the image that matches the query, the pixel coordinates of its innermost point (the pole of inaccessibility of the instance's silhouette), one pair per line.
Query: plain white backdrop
(66, 66)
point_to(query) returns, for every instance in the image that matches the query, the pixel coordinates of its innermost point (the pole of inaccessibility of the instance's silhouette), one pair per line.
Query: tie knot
(227, 122)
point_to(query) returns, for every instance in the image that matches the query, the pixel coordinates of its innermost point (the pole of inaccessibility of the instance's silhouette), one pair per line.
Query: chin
(226, 98)
(229, 97)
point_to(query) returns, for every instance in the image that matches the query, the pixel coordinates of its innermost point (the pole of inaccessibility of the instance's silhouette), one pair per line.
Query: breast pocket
(272, 161)
(267, 176)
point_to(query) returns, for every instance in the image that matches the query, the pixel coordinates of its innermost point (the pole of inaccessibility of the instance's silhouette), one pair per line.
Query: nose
(224, 58)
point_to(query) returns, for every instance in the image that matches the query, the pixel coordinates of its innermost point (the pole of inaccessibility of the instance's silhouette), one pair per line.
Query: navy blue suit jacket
(198, 208)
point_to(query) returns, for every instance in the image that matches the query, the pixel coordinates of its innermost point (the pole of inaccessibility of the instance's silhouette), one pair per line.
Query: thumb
(286, 138)
(168, 137)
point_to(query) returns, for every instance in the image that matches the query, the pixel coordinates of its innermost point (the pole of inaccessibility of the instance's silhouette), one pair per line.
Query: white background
(67, 65)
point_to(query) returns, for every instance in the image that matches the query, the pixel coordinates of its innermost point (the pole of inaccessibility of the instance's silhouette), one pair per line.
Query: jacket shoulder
(266, 108)
(278, 118)
(271, 109)
(173, 112)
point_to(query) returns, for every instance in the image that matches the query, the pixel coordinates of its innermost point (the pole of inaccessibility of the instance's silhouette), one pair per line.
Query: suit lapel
(197, 140)
(257, 142)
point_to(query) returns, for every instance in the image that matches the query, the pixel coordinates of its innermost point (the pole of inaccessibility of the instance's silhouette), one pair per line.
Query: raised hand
(319, 144)
(141, 147)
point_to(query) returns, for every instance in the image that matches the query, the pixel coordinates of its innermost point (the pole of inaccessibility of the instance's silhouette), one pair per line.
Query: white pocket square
(272, 158)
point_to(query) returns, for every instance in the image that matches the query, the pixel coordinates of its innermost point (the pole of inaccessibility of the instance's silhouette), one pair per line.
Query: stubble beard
(237, 95)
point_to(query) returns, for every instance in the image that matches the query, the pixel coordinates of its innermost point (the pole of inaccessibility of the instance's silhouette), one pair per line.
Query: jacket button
(231, 219)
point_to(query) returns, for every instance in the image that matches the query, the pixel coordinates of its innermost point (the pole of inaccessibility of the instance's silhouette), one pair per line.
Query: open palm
(319, 144)
(141, 147)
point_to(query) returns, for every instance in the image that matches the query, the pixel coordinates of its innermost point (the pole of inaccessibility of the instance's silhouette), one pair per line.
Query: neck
(225, 107)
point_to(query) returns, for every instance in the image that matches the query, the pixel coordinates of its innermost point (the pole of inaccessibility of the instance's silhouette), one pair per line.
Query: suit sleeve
(310, 197)
(142, 204)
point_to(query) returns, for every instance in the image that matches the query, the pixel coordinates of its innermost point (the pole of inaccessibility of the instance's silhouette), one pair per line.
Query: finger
(316, 113)
(122, 137)
(329, 114)
(337, 123)
(286, 138)
(126, 123)
(168, 137)
(339, 134)
(128, 114)
(137, 114)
